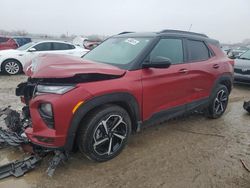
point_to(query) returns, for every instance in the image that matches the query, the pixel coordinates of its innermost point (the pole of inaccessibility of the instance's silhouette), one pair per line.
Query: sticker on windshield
(132, 41)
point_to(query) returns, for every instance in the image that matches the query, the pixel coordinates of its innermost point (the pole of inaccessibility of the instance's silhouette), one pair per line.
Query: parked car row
(12, 61)
(242, 68)
(13, 42)
(86, 43)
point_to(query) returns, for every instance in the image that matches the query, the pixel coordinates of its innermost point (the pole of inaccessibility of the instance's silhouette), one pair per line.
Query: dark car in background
(242, 68)
(13, 42)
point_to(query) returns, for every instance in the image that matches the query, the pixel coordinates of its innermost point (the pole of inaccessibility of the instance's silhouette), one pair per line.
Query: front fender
(81, 112)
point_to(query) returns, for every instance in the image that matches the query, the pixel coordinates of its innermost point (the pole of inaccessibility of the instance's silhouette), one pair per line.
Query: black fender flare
(128, 99)
(225, 78)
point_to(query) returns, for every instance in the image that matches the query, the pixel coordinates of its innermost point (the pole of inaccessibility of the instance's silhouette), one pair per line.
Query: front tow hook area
(12, 135)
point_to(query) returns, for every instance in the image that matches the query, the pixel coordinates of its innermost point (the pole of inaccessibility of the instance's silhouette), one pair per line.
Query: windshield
(26, 46)
(117, 51)
(246, 55)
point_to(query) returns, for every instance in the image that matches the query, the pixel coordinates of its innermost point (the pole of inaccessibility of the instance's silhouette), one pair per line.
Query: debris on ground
(246, 106)
(244, 165)
(14, 136)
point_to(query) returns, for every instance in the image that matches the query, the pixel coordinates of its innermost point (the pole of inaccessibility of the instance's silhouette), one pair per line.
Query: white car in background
(13, 61)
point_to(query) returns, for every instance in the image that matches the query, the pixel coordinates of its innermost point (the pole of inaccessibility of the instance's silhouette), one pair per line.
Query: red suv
(128, 81)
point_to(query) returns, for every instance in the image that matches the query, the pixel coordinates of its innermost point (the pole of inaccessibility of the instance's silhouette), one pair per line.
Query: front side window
(169, 48)
(117, 51)
(198, 51)
(46, 46)
(26, 46)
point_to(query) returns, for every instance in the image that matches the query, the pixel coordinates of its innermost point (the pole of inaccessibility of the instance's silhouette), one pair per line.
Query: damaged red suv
(128, 81)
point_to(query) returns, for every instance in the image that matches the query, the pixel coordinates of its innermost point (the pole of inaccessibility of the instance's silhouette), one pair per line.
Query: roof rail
(125, 32)
(182, 32)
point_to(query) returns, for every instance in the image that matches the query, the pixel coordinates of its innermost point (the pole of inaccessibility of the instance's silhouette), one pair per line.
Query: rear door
(203, 71)
(63, 48)
(166, 88)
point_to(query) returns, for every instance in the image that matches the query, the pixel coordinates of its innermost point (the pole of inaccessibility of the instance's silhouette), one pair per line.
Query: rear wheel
(11, 67)
(105, 133)
(218, 103)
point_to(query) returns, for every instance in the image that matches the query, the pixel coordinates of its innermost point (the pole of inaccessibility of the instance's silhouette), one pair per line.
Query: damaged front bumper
(14, 135)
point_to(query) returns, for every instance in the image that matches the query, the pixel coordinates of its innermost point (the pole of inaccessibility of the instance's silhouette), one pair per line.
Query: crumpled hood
(63, 66)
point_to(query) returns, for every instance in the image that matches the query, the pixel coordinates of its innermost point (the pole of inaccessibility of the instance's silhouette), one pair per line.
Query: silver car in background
(242, 68)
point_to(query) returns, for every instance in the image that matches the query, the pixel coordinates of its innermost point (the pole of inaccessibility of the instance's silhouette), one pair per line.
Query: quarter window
(169, 48)
(198, 51)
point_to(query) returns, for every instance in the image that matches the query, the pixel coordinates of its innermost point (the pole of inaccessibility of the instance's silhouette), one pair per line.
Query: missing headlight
(46, 113)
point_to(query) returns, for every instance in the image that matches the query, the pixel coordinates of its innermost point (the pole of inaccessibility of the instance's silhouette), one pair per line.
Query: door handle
(183, 71)
(216, 66)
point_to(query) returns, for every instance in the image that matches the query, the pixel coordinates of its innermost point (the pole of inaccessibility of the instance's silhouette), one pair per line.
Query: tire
(218, 102)
(105, 133)
(11, 67)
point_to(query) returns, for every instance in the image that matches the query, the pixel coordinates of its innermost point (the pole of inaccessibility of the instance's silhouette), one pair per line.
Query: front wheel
(218, 103)
(11, 67)
(105, 133)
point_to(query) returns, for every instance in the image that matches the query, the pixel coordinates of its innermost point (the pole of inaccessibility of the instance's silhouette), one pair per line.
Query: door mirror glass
(157, 62)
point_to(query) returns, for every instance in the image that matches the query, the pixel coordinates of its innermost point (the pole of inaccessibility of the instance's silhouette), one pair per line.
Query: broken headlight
(40, 89)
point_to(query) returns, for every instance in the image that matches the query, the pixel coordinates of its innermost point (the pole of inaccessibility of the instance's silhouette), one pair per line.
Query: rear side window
(62, 46)
(46, 46)
(198, 51)
(169, 48)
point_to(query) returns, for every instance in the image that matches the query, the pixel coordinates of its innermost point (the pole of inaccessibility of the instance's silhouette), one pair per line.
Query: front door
(166, 88)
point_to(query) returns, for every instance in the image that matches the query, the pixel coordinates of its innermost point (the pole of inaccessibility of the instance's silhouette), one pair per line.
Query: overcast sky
(225, 20)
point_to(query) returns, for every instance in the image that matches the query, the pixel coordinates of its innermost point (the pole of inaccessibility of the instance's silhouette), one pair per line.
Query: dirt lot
(188, 152)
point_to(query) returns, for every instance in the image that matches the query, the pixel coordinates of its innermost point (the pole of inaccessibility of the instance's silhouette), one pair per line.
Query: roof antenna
(190, 27)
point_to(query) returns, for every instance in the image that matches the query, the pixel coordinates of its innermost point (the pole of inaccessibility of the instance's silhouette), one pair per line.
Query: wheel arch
(11, 59)
(123, 99)
(226, 80)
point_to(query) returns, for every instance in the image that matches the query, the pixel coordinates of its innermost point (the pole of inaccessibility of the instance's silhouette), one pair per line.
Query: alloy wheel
(109, 135)
(12, 67)
(220, 102)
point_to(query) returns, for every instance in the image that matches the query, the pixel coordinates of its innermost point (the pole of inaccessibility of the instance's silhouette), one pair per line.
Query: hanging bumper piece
(13, 135)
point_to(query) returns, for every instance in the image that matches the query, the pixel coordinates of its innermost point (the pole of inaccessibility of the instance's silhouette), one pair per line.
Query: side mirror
(32, 50)
(158, 62)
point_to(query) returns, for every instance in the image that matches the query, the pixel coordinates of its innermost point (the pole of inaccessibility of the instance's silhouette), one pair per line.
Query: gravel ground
(190, 152)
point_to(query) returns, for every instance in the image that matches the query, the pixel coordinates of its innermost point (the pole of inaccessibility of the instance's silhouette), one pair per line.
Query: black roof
(183, 32)
(169, 32)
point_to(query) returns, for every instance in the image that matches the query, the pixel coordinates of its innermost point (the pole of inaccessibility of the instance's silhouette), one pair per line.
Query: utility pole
(190, 27)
